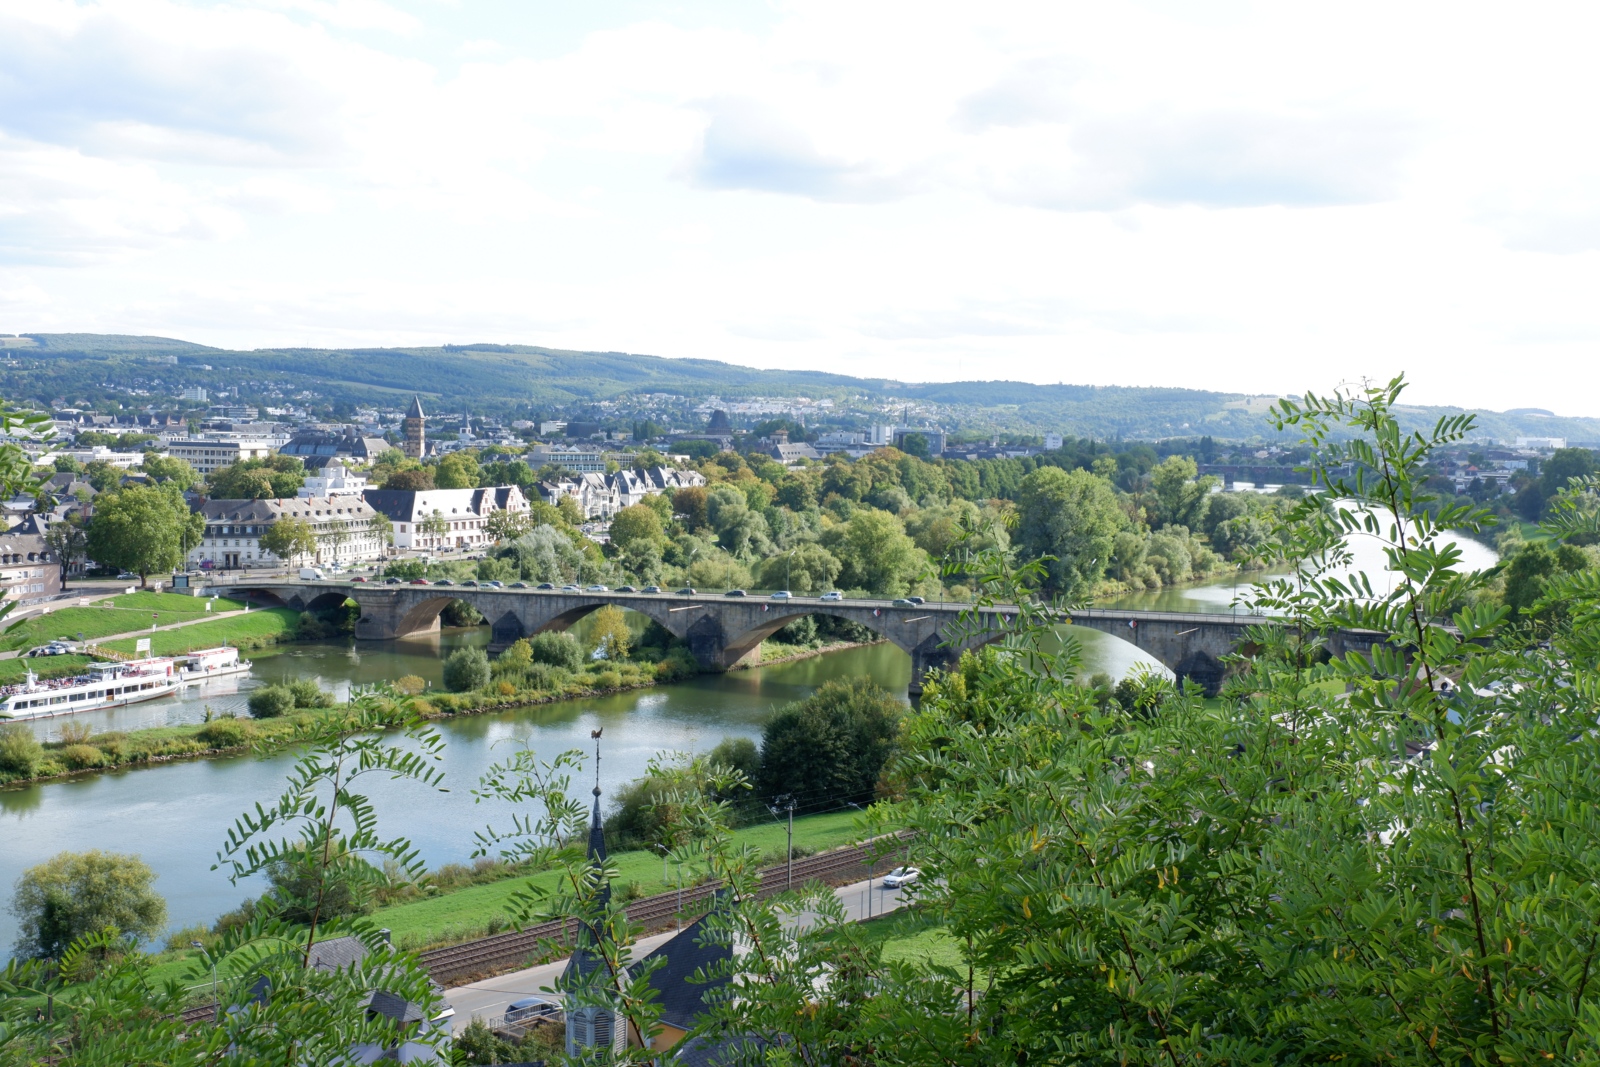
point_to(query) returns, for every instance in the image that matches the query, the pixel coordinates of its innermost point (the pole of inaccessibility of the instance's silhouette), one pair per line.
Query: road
(490, 997)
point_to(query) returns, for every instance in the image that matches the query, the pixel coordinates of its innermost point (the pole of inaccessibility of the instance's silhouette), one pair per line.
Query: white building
(576, 460)
(209, 456)
(600, 496)
(1052, 441)
(436, 519)
(333, 480)
(232, 541)
(1542, 442)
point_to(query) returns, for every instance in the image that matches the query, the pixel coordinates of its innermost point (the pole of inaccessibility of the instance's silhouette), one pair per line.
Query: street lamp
(215, 1000)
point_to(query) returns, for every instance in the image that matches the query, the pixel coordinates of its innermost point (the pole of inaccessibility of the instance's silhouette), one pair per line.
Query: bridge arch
(423, 616)
(739, 645)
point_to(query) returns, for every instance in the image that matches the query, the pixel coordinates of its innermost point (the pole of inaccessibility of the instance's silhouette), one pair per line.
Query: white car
(595, 589)
(900, 877)
(835, 595)
(782, 594)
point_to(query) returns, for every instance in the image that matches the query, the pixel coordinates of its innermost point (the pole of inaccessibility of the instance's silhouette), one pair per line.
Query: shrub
(445, 702)
(225, 733)
(20, 751)
(75, 733)
(679, 664)
(506, 689)
(607, 680)
(515, 659)
(466, 669)
(179, 940)
(460, 613)
(82, 757)
(544, 676)
(271, 701)
(831, 747)
(558, 649)
(410, 684)
(307, 694)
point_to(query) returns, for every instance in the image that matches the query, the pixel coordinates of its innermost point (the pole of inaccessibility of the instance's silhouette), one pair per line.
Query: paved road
(490, 997)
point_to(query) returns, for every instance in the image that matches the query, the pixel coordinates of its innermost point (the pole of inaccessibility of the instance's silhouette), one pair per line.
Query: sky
(1261, 198)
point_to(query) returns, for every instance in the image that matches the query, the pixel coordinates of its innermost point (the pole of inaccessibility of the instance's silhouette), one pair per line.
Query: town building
(232, 541)
(208, 456)
(600, 496)
(29, 569)
(318, 448)
(415, 430)
(576, 460)
(334, 480)
(443, 519)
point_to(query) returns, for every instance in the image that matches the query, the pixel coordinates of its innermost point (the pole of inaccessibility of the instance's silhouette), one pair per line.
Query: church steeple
(416, 445)
(590, 1026)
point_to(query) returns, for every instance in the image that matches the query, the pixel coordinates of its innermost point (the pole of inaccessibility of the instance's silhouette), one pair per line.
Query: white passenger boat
(106, 685)
(207, 663)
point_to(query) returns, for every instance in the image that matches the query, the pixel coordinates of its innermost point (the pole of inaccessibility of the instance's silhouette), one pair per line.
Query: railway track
(520, 948)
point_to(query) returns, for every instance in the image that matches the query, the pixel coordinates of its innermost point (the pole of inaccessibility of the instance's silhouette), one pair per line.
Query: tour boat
(207, 663)
(106, 685)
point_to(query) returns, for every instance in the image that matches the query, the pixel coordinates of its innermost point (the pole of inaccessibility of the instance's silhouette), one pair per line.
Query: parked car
(626, 589)
(419, 581)
(782, 594)
(444, 581)
(900, 877)
(596, 588)
(736, 592)
(54, 648)
(651, 589)
(686, 591)
(530, 1008)
(832, 594)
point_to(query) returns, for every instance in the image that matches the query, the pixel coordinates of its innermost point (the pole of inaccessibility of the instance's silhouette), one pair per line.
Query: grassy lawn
(909, 935)
(114, 615)
(254, 630)
(467, 913)
(16, 670)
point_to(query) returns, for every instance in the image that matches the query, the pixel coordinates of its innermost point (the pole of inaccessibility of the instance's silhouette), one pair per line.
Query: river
(176, 815)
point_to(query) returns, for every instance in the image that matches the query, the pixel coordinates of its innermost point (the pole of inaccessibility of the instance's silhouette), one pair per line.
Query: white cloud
(1251, 196)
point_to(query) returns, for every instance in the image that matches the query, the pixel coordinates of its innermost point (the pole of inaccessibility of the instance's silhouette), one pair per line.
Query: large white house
(232, 541)
(600, 496)
(445, 518)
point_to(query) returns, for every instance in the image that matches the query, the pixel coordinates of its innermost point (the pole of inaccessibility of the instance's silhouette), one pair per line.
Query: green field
(254, 630)
(467, 913)
(114, 615)
(16, 670)
(911, 935)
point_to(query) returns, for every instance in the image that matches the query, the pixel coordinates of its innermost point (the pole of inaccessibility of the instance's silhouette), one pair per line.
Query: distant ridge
(522, 378)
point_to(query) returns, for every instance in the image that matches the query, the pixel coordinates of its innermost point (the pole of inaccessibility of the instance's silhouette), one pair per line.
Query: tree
(875, 554)
(1183, 497)
(635, 523)
(435, 526)
(507, 525)
(143, 529)
(1563, 465)
(466, 669)
(75, 894)
(171, 469)
(689, 505)
(806, 568)
(458, 470)
(830, 748)
(915, 444)
(69, 542)
(275, 477)
(557, 648)
(1073, 516)
(289, 539)
(543, 554)
(382, 528)
(612, 638)
(102, 476)
(414, 480)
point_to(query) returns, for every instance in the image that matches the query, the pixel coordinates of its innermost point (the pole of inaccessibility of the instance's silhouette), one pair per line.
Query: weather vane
(595, 736)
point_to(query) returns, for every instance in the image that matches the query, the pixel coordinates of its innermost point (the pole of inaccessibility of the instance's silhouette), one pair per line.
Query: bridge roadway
(721, 630)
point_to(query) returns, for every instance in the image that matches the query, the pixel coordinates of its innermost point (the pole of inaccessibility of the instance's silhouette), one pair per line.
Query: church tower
(589, 1026)
(416, 445)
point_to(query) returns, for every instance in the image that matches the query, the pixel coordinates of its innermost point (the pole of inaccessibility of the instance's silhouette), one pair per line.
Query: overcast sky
(1261, 198)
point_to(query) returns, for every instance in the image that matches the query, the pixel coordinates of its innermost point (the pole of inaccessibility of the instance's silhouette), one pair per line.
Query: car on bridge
(782, 594)
(521, 585)
(420, 581)
(444, 581)
(626, 589)
(831, 595)
(570, 589)
(595, 589)
(651, 589)
(685, 591)
(736, 592)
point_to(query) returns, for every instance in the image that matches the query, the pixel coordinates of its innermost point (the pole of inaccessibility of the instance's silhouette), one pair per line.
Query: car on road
(521, 585)
(782, 594)
(54, 648)
(685, 591)
(420, 581)
(736, 592)
(651, 589)
(901, 877)
(470, 582)
(916, 600)
(902, 602)
(596, 588)
(626, 589)
(391, 581)
(570, 589)
(492, 584)
(358, 578)
(545, 585)
(444, 581)
(831, 595)
(530, 1008)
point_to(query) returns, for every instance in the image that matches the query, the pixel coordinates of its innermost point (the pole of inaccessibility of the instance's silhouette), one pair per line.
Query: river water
(176, 816)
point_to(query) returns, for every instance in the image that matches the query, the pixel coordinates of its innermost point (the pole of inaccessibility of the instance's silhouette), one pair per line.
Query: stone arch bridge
(721, 631)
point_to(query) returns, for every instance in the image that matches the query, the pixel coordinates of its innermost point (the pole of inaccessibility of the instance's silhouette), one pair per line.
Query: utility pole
(786, 803)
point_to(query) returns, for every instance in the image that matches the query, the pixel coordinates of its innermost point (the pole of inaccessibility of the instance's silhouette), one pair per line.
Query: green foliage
(226, 733)
(270, 701)
(875, 554)
(466, 669)
(458, 470)
(612, 637)
(77, 894)
(289, 539)
(557, 648)
(830, 748)
(170, 469)
(639, 522)
(416, 479)
(274, 477)
(20, 751)
(307, 694)
(1073, 517)
(143, 529)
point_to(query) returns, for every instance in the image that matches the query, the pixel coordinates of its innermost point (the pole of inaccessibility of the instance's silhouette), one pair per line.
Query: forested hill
(528, 379)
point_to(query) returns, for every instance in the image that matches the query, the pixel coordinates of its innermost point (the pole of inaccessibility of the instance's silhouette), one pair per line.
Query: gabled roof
(695, 948)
